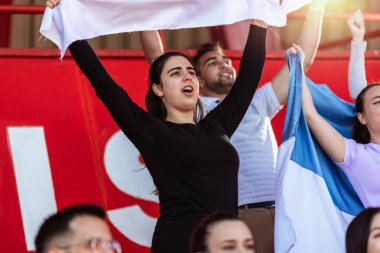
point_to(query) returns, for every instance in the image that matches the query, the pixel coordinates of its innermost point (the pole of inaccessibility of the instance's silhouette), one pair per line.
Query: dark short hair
(358, 231)
(58, 224)
(200, 233)
(153, 103)
(204, 49)
(360, 132)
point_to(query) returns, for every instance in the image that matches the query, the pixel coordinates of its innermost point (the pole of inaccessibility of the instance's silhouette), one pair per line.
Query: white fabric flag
(72, 20)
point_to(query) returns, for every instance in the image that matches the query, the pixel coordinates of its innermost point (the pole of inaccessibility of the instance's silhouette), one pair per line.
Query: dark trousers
(261, 222)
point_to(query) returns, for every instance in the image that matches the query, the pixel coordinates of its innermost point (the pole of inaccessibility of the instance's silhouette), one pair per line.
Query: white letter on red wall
(128, 173)
(33, 177)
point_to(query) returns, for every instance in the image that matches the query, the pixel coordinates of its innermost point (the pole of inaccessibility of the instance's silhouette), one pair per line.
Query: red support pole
(5, 24)
(344, 41)
(218, 35)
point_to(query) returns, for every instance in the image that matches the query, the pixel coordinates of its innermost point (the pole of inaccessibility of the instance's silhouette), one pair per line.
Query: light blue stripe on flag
(314, 200)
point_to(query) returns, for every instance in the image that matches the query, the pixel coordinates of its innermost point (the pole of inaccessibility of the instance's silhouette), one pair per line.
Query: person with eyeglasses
(80, 228)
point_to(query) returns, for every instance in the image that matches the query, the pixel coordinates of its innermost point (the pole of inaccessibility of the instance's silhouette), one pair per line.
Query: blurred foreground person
(221, 232)
(363, 234)
(77, 229)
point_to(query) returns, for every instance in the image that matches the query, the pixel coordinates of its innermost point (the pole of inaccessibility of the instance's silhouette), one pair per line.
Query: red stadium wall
(59, 146)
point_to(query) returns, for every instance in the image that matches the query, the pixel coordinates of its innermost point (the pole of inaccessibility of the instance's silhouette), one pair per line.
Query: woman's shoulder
(361, 152)
(351, 143)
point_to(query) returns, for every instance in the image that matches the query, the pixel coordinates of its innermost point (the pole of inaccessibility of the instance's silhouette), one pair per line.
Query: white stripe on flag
(308, 220)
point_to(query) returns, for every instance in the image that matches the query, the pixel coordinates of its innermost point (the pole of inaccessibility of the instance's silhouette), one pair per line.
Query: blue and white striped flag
(314, 200)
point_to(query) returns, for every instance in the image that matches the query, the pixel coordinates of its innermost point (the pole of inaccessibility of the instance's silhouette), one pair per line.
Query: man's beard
(221, 86)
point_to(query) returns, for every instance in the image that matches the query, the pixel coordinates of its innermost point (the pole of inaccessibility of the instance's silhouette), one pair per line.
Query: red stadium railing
(373, 16)
(370, 16)
(37, 9)
(21, 9)
(340, 42)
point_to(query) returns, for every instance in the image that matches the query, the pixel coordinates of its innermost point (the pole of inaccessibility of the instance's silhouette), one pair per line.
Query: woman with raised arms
(192, 163)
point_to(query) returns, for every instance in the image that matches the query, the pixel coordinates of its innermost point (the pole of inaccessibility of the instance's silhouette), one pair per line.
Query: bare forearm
(152, 45)
(356, 71)
(310, 35)
(308, 40)
(331, 141)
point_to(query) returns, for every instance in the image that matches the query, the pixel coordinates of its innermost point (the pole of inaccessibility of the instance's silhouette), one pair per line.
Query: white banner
(84, 19)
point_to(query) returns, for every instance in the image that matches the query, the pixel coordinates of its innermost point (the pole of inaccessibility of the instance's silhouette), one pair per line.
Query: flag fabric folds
(72, 20)
(314, 200)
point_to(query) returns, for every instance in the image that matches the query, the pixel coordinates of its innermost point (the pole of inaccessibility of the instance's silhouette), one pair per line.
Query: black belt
(266, 204)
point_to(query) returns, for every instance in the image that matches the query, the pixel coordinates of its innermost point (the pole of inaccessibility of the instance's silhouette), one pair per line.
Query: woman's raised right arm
(152, 45)
(131, 119)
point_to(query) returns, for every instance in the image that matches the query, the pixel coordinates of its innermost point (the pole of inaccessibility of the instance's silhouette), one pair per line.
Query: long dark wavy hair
(154, 103)
(358, 231)
(360, 132)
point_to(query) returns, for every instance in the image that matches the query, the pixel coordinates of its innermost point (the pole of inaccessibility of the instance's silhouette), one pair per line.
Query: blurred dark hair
(200, 233)
(58, 224)
(360, 132)
(204, 49)
(358, 231)
(154, 104)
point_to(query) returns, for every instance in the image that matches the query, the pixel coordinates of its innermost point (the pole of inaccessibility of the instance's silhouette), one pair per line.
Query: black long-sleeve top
(193, 165)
